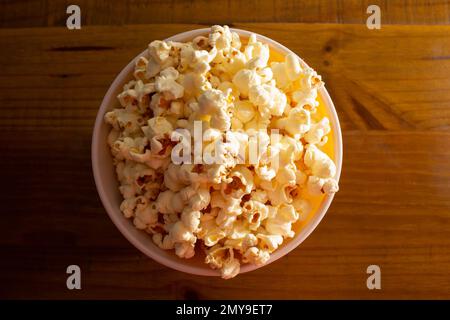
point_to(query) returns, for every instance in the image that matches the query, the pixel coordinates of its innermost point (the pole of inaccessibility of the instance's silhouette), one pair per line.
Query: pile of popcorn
(234, 212)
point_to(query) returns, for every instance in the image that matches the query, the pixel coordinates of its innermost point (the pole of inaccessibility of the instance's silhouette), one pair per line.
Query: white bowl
(107, 185)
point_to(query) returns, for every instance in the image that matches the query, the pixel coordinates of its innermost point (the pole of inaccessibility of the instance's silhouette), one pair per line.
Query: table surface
(42, 13)
(391, 88)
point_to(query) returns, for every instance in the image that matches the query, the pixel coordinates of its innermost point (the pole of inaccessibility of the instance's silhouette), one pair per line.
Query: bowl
(107, 185)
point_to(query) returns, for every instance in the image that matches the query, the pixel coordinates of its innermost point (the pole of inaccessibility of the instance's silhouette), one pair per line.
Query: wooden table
(391, 88)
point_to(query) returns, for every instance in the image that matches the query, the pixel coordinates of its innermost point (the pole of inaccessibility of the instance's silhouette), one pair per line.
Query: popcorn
(184, 250)
(176, 109)
(281, 224)
(318, 161)
(245, 79)
(317, 186)
(306, 95)
(120, 119)
(197, 60)
(223, 258)
(305, 99)
(128, 206)
(191, 219)
(318, 132)
(286, 175)
(228, 63)
(255, 212)
(159, 50)
(268, 99)
(169, 202)
(210, 233)
(289, 71)
(212, 102)
(259, 195)
(293, 68)
(140, 68)
(200, 43)
(302, 206)
(152, 68)
(269, 242)
(172, 178)
(220, 37)
(157, 126)
(280, 75)
(145, 215)
(166, 84)
(125, 147)
(257, 53)
(244, 111)
(240, 182)
(151, 160)
(297, 123)
(230, 268)
(136, 94)
(199, 200)
(238, 206)
(235, 41)
(164, 242)
(265, 74)
(330, 186)
(256, 256)
(179, 233)
(278, 193)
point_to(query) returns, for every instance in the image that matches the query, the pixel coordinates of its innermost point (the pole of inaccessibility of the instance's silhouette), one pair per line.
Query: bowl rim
(299, 237)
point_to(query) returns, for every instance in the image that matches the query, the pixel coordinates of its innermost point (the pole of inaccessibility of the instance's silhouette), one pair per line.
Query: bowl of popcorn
(216, 151)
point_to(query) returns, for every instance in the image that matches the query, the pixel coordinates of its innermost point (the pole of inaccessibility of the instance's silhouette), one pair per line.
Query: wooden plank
(38, 13)
(390, 88)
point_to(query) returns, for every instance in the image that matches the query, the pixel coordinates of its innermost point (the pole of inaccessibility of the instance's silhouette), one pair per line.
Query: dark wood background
(391, 88)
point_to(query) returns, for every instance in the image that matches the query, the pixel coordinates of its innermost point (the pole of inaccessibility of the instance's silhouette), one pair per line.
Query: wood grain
(41, 13)
(391, 89)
